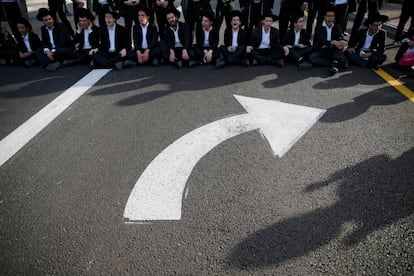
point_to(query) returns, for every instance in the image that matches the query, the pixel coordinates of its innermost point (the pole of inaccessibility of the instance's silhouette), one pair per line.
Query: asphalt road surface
(339, 202)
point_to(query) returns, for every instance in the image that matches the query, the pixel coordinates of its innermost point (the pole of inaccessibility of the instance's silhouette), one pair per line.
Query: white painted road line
(158, 193)
(12, 143)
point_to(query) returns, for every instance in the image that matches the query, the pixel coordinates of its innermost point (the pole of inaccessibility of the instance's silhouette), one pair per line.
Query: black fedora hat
(86, 13)
(269, 14)
(42, 13)
(209, 15)
(114, 14)
(174, 11)
(239, 14)
(145, 10)
(376, 17)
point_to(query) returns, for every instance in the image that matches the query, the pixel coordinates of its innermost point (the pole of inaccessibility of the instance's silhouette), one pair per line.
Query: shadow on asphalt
(361, 104)
(372, 194)
(21, 82)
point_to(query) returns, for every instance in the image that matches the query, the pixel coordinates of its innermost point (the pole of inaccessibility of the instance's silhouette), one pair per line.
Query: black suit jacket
(152, 36)
(60, 36)
(213, 38)
(93, 38)
(121, 39)
(377, 44)
(228, 37)
(289, 38)
(34, 42)
(320, 38)
(256, 38)
(183, 34)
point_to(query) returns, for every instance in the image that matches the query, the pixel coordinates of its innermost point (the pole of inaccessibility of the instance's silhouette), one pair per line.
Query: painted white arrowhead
(282, 124)
(158, 193)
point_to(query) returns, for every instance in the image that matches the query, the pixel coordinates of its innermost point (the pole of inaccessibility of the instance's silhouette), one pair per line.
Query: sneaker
(53, 66)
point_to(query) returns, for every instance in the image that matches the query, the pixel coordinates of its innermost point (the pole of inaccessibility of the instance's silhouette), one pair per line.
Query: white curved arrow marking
(158, 193)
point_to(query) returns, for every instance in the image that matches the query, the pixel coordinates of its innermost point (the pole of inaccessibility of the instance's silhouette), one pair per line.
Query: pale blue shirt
(111, 31)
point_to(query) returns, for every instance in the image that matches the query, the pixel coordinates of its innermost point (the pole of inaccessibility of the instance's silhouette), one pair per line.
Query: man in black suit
(264, 46)
(100, 7)
(234, 42)
(28, 42)
(114, 44)
(299, 45)
(176, 47)
(329, 44)
(207, 39)
(289, 9)
(146, 49)
(86, 37)
(57, 6)
(56, 42)
(369, 46)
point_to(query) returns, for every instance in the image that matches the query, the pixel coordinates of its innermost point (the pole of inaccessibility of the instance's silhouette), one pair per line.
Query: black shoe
(245, 62)
(343, 64)
(280, 63)
(129, 63)
(178, 64)
(305, 65)
(333, 70)
(29, 63)
(192, 63)
(220, 63)
(68, 62)
(53, 66)
(155, 62)
(118, 65)
(92, 64)
(374, 66)
(254, 62)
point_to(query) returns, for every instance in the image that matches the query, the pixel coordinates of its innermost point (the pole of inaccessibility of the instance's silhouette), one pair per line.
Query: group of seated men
(111, 46)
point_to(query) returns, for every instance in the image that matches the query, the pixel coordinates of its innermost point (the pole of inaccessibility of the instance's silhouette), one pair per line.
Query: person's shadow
(372, 194)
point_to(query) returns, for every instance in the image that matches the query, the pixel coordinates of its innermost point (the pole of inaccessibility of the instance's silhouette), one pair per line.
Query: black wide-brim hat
(42, 13)
(269, 14)
(376, 17)
(239, 14)
(174, 11)
(209, 15)
(114, 14)
(86, 13)
(145, 10)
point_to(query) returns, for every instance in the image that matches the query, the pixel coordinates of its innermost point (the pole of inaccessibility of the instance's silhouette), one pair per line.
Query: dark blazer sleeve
(199, 37)
(255, 37)
(137, 36)
(275, 39)
(228, 33)
(289, 38)
(359, 41)
(121, 38)
(61, 36)
(184, 35)
(378, 42)
(304, 38)
(152, 36)
(213, 38)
